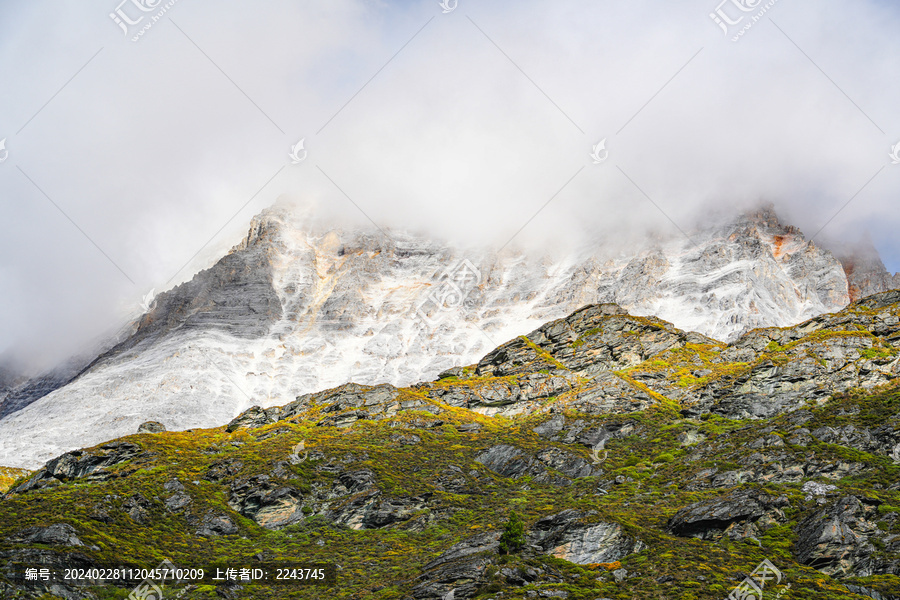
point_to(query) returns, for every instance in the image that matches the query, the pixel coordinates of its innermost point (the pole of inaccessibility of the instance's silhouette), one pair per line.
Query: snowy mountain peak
(300, 305)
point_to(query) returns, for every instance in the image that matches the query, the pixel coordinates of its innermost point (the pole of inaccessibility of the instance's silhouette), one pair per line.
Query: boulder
(374, 402)
(565, 535)
(510, 461)
(177, 501)
(266, 501)
(138, 508)
(217, 524)
(83, 464)
(251, 418)
(58, 534)
(151, 427)
(739, 515)
(390, 512)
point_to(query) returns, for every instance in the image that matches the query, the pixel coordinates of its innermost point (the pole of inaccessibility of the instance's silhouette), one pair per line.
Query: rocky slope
(645, 461)
(299, 306)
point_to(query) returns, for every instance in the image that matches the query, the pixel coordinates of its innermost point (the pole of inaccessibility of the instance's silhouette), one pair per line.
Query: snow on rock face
(297, 308)
(750, 273)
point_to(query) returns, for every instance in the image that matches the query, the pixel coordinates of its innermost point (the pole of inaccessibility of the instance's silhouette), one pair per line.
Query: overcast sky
(128, 158)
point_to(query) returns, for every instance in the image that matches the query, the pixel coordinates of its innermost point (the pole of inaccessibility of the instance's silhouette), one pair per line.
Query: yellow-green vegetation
(623, 375)
(474, 382)
(543, 354)
(827, 334)
(681, 363)
(8, 475)
(651, 463)
(696, 366)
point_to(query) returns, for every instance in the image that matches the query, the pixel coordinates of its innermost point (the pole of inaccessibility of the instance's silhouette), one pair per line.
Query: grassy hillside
(408, 491)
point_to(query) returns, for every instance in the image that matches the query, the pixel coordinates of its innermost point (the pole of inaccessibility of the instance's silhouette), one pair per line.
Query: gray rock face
(178, 502)
(353, 500)
(235, 296)
(739, 515)
(563, 535)
(480, 543)
(509, 461)
(864, 591)
(592, 340)
(80, 464)
(223, 470)
(17, 395)
(58, 534)
(251, 418)
(389, 512)
(880, 440)
(138, 508)
(265, 501)
(502, 395)
(460, 570)
(774, 371)
(840, 539)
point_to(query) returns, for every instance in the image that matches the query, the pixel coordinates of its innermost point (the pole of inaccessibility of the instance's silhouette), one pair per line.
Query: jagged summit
(301, 305)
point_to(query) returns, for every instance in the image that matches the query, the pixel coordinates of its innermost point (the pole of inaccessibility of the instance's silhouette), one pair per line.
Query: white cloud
(151, 149)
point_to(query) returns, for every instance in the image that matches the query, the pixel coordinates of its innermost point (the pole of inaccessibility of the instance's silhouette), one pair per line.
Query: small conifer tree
(513, 537)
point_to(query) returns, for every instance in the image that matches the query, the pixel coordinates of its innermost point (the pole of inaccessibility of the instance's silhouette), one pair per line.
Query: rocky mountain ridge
(646, 461)
(299, 307)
